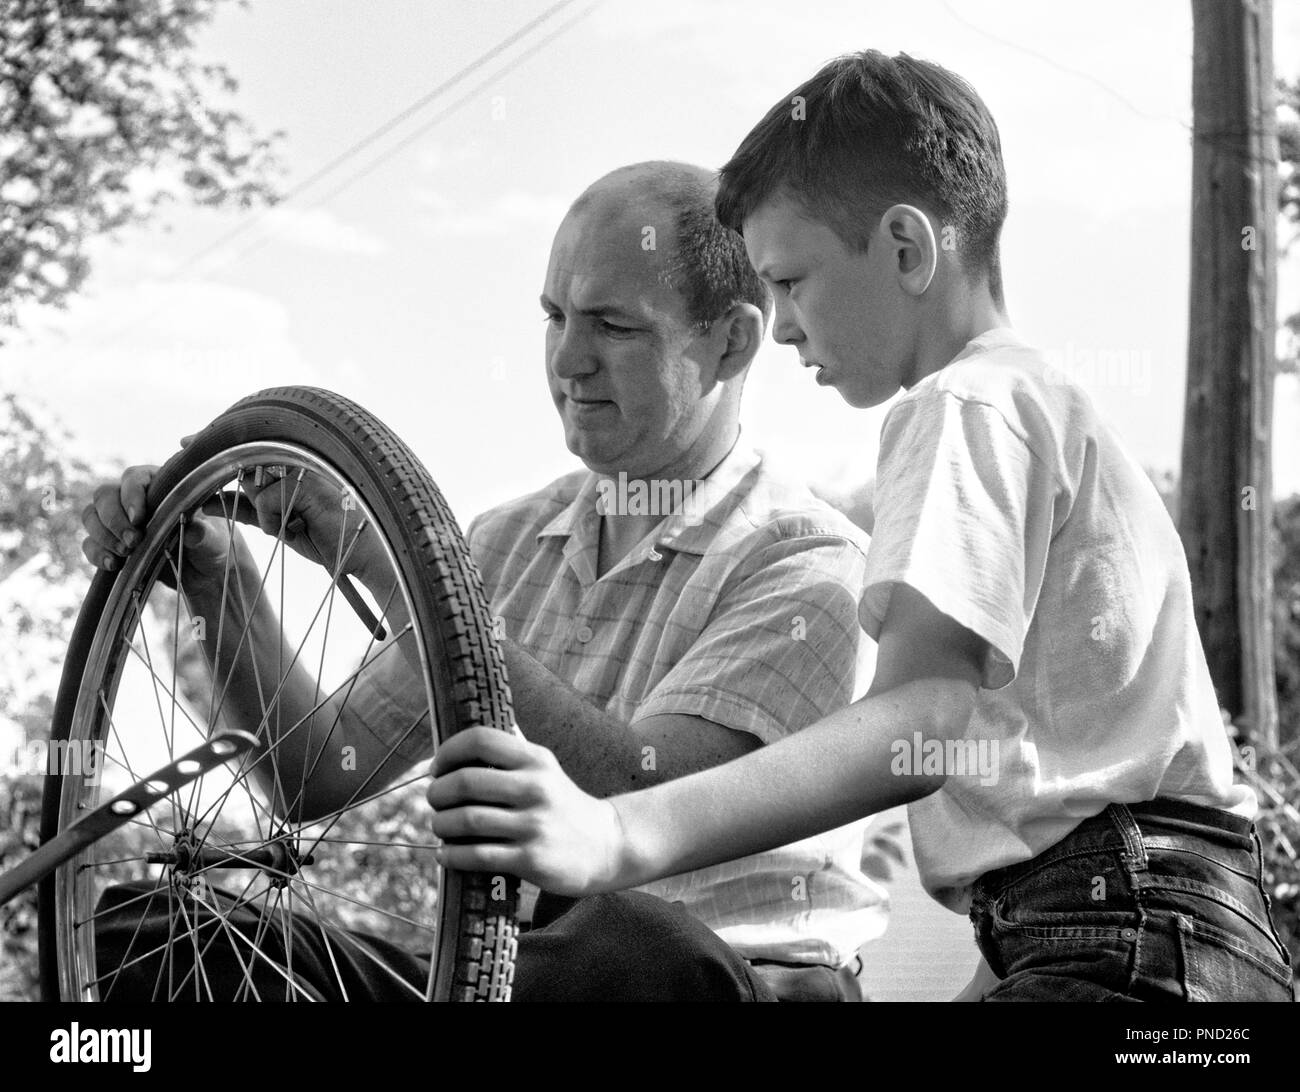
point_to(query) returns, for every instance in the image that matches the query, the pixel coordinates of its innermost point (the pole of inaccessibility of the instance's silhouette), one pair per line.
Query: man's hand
(319, 515)
(526, 817)
(114, 521)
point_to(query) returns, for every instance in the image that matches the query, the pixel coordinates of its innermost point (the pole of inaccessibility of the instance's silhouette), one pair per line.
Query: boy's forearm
(833, 772)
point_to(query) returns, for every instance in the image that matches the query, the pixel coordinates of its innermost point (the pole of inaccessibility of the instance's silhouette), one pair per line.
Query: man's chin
(598, 453)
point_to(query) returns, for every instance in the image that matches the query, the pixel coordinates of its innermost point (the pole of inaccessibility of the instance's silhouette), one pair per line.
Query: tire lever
(243, 511)
(92, 826)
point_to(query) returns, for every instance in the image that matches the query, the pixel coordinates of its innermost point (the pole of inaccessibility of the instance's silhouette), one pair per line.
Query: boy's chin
(860, 398)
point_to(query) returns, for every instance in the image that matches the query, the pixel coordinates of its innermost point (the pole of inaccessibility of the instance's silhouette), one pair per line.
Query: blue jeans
(1161, 901)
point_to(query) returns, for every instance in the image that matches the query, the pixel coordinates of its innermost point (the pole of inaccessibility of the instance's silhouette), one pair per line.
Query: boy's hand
(983, 980)
(522, 815)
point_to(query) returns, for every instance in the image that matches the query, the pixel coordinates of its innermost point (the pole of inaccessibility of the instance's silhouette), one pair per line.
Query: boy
(1027, 589)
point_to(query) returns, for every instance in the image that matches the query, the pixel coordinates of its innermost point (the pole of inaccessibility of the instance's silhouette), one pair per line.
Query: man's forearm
(598, 752)
(245, 649)
(831, 773)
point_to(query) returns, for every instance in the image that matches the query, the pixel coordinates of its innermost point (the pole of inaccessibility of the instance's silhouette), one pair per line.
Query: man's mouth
(587, 406)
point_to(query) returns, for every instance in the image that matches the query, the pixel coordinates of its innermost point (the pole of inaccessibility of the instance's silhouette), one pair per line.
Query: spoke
(125, 761)
(351, 682)
(248, 613)
(100, 913)
(147, 660)
(332, 817)
(421, 925)
(105, 864)
(382, 845)
(239, 901)
(286, 926)
(359, 946)
(271, 748)
(212, 691)
(198, 962)
(298, 878)
(130, 944)
(263, 922)
(176, 632)
(254, 949)
(237, 779)
(248, 763)
(320, 672)
(225, 588)
(325, 936)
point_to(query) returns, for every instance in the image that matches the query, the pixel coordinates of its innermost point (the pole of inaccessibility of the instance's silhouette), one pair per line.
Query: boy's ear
(914, 254)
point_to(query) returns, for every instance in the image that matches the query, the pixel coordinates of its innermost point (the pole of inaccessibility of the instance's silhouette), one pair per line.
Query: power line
(1053, 63)
(360, 145)
(442, 115)
(375, 134)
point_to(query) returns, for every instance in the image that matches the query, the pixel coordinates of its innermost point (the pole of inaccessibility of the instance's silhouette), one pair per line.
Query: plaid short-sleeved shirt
(741, 609)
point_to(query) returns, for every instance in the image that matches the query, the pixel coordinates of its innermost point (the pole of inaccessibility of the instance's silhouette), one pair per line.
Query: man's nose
(785, 330)
(570, 354)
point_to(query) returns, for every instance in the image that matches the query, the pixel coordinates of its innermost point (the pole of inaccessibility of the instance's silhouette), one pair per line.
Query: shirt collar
(690, 530)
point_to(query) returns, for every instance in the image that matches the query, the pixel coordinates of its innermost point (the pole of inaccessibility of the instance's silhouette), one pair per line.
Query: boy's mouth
(820, 377)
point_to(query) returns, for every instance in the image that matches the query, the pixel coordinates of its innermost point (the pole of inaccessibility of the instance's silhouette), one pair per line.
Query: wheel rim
(309, 866)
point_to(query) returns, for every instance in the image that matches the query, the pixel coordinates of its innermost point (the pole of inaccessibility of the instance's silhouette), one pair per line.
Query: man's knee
(634, 947)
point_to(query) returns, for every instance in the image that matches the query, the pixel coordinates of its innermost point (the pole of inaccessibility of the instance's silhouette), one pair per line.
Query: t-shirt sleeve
(964, 512)
(780, 649)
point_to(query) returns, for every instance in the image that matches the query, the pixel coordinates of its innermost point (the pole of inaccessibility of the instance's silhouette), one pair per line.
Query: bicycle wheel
(296, 875)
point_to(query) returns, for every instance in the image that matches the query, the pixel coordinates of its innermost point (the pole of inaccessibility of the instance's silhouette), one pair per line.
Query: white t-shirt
(1004, 499)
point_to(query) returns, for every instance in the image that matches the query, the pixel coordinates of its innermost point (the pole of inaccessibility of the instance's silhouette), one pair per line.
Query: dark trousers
(1161, 901)
(622, 947)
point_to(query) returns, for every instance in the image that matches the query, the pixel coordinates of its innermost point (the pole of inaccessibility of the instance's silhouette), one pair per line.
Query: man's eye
(553, 316)
(614, 330)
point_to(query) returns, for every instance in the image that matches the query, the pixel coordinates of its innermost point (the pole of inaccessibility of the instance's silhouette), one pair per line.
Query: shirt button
(584, 634)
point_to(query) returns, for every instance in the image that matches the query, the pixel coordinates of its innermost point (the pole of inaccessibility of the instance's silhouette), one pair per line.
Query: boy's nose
(785, 331)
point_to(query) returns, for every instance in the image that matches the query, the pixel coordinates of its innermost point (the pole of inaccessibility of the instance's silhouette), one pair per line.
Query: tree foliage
(105, 112)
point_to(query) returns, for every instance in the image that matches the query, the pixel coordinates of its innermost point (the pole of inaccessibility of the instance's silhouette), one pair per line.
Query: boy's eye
(553, 316)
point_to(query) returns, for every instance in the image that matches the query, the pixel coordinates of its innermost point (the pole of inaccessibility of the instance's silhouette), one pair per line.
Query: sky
(408, 278)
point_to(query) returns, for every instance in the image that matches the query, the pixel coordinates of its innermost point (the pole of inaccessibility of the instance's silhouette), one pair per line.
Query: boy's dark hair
(869, 131)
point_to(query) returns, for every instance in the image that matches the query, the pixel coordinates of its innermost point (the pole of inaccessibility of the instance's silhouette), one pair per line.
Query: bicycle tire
(477, 933)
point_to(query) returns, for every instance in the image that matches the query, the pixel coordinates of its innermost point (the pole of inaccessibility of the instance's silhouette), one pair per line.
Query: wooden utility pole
(1226, 494)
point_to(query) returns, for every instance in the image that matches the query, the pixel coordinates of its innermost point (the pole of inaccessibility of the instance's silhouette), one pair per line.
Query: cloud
(435, 156)
(443, 217)
(132, 370)
(320, 229)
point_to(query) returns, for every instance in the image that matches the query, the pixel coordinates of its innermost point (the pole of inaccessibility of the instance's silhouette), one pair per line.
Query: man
(643, 645)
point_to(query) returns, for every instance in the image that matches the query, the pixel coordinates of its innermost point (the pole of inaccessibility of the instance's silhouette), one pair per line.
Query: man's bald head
(695, 254)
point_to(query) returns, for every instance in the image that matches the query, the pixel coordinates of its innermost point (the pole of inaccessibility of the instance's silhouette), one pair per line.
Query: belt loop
(1135, 850)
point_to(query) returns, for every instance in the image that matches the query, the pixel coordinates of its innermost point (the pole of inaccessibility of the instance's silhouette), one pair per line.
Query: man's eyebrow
(597, 310)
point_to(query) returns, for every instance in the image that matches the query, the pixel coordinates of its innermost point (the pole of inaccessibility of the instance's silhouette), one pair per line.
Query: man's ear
(739, 335)
(909, 241)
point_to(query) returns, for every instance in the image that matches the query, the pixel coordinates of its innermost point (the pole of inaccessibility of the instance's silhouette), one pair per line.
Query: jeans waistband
(1127, 824)
(1183, 812)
